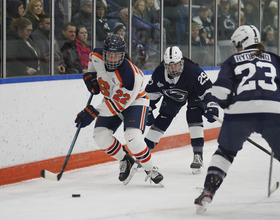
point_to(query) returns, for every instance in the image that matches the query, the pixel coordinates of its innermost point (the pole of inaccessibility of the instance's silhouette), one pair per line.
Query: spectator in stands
(234, 6)
(102, 27)
(143, 30)
(226, 26)
(270, 40)
(197, 40)
(15, 10)
(226, 21)
(121, 16)
(250, 14)
(151, 14)
(60, 13)
(42, 37)
(120, 29)
(270, 16)
(33, 11)
(182, 26)
(75, 6)
(200, 53)
(243, 20)
(83, 17)
(23, 54)
(139, 8)
(68, 48)
(139, 55)
(171, 14)
(206, 28)
(67, 34)
(82, 47)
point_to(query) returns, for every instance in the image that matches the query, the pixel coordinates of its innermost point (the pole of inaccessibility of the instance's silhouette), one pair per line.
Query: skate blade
(160, 184)
(196, 171)
(200, 209)
(131, 174)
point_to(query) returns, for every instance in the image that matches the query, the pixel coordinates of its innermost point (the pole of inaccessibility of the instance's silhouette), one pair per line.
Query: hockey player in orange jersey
(112, 74)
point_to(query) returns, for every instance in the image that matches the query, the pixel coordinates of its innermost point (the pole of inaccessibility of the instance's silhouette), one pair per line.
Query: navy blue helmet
(113, 51)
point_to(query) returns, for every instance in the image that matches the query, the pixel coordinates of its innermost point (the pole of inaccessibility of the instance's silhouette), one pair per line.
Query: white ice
(243, 195)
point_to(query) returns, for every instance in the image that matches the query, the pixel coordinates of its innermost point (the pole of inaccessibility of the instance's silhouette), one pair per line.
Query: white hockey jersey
(121, 88)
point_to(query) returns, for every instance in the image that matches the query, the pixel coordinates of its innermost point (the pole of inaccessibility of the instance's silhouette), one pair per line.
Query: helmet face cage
(173, 62)
(113, 51)
(245, 36)
(113, 59)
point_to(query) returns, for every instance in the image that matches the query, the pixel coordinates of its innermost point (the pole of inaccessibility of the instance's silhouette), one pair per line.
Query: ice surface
(243, 195)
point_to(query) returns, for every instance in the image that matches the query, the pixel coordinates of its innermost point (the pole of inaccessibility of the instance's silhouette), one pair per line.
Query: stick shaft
(270, 174)
(49, 175)
(73, 143)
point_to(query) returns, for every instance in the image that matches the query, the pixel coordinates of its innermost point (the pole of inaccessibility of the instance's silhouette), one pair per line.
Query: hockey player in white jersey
(177, 81)
(247, 89)
(121, 83)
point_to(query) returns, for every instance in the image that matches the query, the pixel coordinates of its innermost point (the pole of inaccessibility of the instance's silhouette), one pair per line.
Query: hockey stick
(56, 177)
(249, 140)
(276, 185)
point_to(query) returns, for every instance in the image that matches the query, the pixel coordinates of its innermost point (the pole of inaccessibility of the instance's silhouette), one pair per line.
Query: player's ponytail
(187, 59)
(260, 50)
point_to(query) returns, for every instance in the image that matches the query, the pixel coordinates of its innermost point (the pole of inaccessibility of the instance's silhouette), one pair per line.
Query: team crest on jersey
(114, 80)
(176, 94)
(159, 84)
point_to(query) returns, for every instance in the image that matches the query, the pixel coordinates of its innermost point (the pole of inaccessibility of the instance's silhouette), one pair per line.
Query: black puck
(76, 195)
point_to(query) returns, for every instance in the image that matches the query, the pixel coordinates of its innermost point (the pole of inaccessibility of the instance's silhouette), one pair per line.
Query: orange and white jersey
(121, 88)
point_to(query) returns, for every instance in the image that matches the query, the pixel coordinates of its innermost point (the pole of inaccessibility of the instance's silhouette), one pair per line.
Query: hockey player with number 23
(121, 83)
(247, 89)
(178, 80)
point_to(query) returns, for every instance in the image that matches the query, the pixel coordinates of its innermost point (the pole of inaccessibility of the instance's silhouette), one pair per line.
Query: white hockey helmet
(173, 55)
(245, 36)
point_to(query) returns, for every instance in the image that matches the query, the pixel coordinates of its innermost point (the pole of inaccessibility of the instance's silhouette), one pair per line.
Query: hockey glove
(91, 82)
(210, 111)
(86, 116)
(151, 118)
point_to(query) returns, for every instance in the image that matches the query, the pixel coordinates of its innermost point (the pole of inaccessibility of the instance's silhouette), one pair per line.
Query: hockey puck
(76, 195)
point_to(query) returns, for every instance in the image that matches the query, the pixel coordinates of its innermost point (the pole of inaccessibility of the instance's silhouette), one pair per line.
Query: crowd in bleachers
(28, 30)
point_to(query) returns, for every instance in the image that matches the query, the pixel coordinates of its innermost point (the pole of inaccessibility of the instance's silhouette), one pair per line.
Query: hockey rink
(243, 195)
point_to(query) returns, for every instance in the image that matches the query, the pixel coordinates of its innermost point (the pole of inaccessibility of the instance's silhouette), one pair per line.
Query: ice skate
(136, 161)
(203, 201)
(197, 164)
(154, 175)
(128, 167)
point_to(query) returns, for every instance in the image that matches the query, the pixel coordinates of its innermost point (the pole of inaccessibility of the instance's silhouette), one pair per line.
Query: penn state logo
(229, 24)
(176, 94)
(151, 81)
(159, 84)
